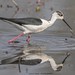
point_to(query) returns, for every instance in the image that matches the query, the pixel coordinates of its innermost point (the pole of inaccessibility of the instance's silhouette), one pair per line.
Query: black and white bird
(39, 58)
(34, 58)
(33, 25)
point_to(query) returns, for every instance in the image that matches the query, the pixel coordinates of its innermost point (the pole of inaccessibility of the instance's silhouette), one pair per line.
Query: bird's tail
(2, 18)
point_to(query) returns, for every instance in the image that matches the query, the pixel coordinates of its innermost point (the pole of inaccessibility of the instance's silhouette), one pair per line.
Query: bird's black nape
(59, 13)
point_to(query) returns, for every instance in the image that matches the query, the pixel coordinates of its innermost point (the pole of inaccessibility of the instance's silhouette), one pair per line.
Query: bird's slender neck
(53, 19)
(53, 63)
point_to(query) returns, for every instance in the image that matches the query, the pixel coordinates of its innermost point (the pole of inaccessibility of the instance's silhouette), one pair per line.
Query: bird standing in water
(33, 25)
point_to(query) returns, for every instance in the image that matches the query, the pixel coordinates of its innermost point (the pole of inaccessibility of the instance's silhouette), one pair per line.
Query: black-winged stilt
(33, 25)
(34, 58)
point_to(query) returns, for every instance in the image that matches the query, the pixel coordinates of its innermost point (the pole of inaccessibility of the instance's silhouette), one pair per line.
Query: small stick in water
(16, 5)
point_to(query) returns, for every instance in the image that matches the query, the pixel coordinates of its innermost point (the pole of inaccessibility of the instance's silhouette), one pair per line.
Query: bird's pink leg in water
(28, 39)
(12, 40)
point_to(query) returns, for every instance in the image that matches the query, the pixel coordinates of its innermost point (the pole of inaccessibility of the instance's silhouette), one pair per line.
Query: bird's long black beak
(68, 26)
(67, 55)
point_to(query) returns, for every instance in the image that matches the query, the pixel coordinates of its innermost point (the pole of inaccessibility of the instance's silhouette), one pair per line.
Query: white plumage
(33, 25)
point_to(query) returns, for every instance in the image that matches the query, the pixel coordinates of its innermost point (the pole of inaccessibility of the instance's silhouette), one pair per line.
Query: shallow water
(54, 41)
(55, 45)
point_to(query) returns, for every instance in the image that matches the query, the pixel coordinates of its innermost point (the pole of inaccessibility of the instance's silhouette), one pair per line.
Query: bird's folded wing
(23, 21)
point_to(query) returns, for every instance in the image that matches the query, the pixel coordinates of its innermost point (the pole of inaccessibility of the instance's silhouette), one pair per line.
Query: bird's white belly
(35, 29)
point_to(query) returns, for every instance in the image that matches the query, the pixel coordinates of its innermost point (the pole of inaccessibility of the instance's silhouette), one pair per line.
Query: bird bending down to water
(39, 58)
(31, 58)
(33, 25)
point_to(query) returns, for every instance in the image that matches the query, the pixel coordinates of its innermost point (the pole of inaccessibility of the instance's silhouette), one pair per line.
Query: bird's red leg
(28, 39)
(12, 40)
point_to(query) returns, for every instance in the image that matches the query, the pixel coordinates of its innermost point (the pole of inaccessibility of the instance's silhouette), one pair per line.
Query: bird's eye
(59, 13)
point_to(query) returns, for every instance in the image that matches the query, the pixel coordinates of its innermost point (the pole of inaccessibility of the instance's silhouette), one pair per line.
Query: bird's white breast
(38, 28)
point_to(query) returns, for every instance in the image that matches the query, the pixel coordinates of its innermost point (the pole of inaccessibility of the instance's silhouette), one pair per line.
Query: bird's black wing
(23, 21)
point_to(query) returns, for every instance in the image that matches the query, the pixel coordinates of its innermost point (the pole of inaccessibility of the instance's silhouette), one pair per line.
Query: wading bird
(34, 58)
(33, 25)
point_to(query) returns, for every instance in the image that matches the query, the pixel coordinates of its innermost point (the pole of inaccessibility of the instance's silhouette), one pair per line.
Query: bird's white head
(59, 67)
(58, 15)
